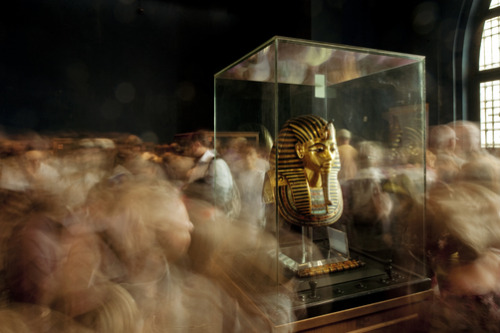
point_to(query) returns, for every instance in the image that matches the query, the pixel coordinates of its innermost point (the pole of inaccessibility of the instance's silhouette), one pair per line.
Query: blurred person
(403, 229)
(369, 207)
(117, 313)
(12, 205)
(222, 248)
(262, 160)
(211, 178)
(483, 170)
(442, 139)
(129, 149)
(130, 158)
(370, 160)
(84, 166)
(12, 173)
(233, 153)
(40, 172)
(368, 212)
(148, 167)
(35, 251)
(443, 143)
(348, 155)
(70, 264)
(50, 267)
(124, 262)
(174, 270)
(468, 139)
(463, 246)
(99, 153)
(145, 225)
(140, 218)
(177, 166)
(250, 180)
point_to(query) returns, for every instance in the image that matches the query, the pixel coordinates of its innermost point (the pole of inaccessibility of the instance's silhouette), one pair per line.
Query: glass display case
(341, 156)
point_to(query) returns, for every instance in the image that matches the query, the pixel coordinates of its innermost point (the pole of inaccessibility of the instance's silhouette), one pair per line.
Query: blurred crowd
(104, 235)
(450, 222)
(110, 235)
(463, 230)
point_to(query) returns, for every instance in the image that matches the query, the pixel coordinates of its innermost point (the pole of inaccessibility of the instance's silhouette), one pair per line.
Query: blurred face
(195, 149)
(251, 158)
(468, 138)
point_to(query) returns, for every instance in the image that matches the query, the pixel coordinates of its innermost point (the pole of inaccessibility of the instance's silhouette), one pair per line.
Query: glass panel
(490, 114)
(494, 4)
(295, 62)
(339, 241)
(490, 45)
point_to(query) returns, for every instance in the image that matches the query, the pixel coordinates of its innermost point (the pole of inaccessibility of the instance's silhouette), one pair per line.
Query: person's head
(371, 154)
(128, 147)
(343, 137)
(33, 159)
(119, 313)
(198, 143)
(177, 166)
(442, 138)
(468, 138)
(250, 156)
(33, 250)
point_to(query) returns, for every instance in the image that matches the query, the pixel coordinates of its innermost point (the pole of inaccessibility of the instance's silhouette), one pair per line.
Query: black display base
(374, 282)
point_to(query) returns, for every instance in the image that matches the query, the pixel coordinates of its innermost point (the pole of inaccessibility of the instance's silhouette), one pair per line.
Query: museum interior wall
(98, 65)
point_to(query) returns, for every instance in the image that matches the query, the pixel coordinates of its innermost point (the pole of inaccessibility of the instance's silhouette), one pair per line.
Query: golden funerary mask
(303, 175)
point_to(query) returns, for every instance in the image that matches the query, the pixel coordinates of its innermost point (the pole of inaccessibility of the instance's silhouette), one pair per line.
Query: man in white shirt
(210, 179)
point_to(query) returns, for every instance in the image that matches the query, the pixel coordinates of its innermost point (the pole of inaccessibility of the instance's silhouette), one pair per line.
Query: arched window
(487, 77)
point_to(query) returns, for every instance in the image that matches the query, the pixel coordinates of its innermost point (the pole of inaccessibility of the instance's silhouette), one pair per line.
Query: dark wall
(432, 28)
(122, 65)
(147, 66)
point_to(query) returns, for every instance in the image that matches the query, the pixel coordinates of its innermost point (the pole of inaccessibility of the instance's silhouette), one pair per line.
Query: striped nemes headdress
(294, 193)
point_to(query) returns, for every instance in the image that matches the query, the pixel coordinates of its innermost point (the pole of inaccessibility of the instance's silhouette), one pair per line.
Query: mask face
(305, 163)
(317, 155)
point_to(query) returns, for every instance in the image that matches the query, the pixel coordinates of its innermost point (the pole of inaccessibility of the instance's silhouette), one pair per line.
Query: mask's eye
(317, 148)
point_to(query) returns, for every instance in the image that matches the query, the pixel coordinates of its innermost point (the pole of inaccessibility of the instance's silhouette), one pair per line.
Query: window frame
(472, 76)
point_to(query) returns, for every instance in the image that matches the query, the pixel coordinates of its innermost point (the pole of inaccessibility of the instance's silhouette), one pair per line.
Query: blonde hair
(119, 313)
